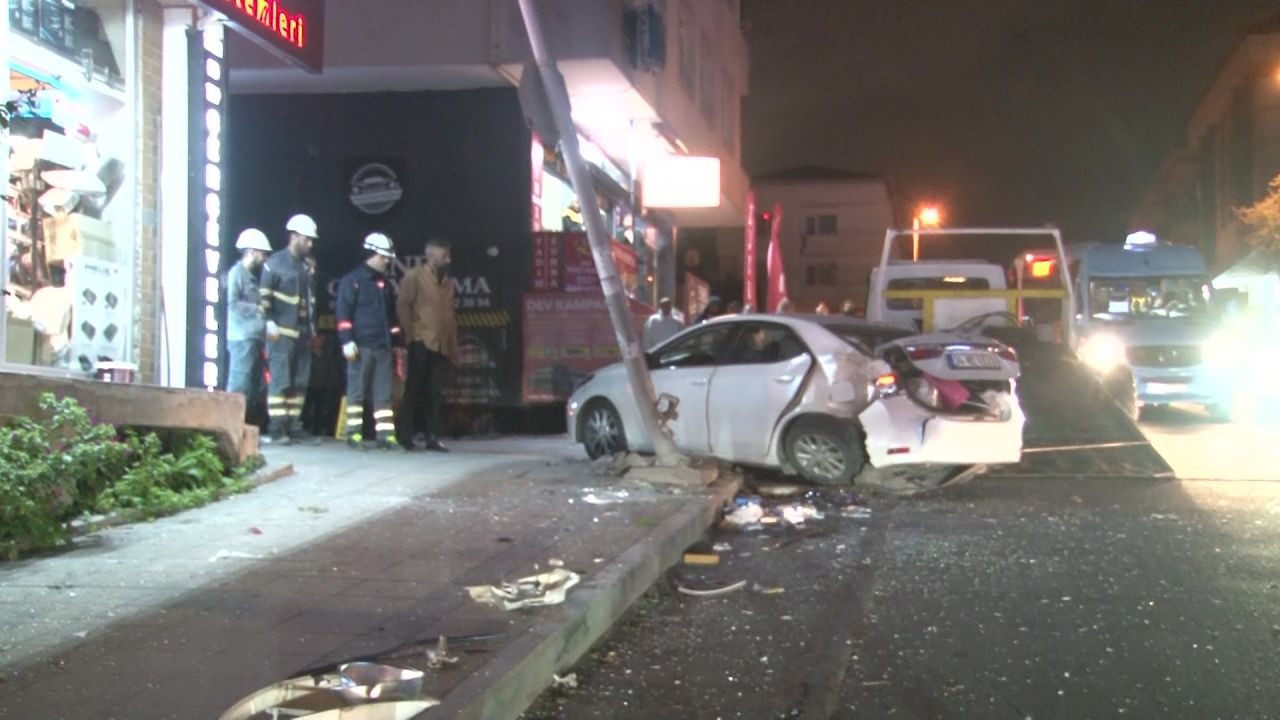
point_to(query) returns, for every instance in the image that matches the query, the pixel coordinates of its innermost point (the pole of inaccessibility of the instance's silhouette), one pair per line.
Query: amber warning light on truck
(1040, 267)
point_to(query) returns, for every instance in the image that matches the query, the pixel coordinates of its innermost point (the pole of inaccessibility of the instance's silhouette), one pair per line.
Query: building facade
(1232, 152)
(832, 231)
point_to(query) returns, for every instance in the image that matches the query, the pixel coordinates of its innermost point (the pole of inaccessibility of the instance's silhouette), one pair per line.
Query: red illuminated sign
(293, 29)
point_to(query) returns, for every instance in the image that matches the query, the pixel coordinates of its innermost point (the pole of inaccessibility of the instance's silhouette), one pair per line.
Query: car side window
(697, 350)
(764, 343)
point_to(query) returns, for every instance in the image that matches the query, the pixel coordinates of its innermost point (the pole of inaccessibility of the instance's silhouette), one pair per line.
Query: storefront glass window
(69, 216)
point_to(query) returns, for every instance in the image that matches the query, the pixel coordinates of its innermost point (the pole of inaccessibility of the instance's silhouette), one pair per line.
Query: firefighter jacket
(244, 305)
(288, 298)
(366, 313)
(426, 312)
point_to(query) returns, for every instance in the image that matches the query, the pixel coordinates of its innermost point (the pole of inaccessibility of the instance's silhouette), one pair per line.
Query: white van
(934, 275)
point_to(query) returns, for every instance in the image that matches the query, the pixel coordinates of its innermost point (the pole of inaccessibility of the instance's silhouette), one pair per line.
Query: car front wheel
(826, 452)
(602, 432)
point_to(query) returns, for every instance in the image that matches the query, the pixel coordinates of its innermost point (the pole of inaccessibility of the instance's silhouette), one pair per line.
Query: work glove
(273, 330)
(349, 351)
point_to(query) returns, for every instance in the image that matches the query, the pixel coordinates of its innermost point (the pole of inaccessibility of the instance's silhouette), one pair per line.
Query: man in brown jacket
(427, 317)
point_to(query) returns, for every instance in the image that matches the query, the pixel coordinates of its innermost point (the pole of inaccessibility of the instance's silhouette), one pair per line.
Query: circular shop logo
(375, 189)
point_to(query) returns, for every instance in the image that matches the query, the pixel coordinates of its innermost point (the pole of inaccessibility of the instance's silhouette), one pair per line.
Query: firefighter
(370, 340)
(288, 301)
(246, 326)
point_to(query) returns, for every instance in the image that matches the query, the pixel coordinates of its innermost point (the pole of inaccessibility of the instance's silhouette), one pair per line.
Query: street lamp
(928, 216)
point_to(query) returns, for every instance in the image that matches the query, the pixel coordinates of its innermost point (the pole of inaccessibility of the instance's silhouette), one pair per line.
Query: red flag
(777, 277)
(749, 291)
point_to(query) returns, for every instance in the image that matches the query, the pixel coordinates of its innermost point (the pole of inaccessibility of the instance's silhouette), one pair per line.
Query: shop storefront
(71, 203)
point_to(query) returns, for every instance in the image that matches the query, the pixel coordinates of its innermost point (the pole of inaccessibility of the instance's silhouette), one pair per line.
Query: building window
(729, 114)
(688, 49)
(820, 225)
(821, 274)
(68, 213)
(709, 98)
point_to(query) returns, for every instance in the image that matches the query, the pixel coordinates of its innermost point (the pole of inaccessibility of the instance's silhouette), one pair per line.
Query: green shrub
(59, 466)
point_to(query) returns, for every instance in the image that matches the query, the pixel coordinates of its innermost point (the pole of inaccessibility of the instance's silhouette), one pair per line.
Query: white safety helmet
(380, 244)
(303, 225)
(253, 239)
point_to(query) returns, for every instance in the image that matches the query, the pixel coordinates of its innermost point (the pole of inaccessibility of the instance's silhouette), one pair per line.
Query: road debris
(716, 592)
(396, 691)
(698, 558)
(566, 682)
(605, 497)
(779, 490)
(549, 588)
(234, 554)
(721, 547)
(439, 656)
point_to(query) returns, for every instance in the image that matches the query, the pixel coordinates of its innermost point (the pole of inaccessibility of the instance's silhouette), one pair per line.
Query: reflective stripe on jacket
(287, 295)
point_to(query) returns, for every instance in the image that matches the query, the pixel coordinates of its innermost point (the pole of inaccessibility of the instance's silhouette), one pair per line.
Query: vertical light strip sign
(208, 96)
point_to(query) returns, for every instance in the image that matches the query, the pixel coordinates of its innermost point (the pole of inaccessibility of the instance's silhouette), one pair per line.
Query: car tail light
(1007, 353)
(924, 352)
(886, 385)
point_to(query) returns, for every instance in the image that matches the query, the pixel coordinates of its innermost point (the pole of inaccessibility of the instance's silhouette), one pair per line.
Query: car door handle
(701, 381)
(784, 378)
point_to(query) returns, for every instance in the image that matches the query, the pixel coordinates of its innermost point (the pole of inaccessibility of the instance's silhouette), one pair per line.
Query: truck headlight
(1102, 352)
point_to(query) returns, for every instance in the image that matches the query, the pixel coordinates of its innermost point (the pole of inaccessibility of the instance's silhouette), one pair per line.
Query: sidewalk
(352, 556)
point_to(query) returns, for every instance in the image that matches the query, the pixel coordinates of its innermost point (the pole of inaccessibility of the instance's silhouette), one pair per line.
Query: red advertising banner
(566, 337)
(777, 274)
(562, 261)
(537, 158)
(749, 289)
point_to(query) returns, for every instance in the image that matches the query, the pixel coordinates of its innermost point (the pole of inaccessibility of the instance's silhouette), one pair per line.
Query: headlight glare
(1103, 353)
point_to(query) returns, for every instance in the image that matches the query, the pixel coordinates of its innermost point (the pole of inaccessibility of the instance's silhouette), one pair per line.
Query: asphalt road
(1199, 448)
(1001, 598)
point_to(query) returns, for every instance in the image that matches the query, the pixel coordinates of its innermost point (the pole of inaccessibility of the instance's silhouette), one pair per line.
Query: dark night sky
(1004, 111)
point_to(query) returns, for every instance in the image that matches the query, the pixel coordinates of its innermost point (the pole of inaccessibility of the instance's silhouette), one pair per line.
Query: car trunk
(959, 378)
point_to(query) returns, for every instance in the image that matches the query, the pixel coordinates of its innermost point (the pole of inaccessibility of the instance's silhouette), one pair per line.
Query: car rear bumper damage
(900, 432)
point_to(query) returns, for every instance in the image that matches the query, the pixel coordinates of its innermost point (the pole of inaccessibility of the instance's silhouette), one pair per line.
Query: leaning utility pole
(584, 186)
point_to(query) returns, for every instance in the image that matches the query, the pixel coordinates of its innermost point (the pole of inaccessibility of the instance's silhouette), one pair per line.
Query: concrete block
(218, 413)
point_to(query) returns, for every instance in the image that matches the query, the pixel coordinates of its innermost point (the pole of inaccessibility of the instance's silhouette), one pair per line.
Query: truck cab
(1144, 320)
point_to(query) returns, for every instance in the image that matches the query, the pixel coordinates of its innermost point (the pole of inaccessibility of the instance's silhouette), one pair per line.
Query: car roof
(825, 321)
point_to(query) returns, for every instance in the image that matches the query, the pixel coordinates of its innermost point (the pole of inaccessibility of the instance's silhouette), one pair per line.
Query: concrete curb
(518, 674)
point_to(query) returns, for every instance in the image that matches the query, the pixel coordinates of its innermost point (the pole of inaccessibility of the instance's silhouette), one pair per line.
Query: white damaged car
(815, 395)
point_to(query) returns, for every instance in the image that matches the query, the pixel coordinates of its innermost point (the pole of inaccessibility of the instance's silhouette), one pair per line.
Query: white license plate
(1156, 388)
(971, 360)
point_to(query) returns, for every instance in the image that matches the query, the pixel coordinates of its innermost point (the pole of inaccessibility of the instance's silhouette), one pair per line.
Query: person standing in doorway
(426, 313)
(369, 336)
(246, 321)
(288, 302)
(661, 325)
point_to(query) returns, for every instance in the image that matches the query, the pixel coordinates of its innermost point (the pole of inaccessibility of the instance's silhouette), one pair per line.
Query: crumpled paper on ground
(548, 588)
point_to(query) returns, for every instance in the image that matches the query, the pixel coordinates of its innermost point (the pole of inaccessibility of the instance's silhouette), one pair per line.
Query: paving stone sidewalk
(353, 556)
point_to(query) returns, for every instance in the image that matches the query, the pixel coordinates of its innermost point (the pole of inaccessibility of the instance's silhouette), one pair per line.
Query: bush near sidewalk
(63, 465)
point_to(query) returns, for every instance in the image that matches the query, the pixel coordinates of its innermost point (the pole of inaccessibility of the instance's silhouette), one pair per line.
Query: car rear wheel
(826, 452)
(602, 432)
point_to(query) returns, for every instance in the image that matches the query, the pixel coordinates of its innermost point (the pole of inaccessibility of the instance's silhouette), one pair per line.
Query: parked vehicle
(815, 395)
(946, 275)
(1146, 324)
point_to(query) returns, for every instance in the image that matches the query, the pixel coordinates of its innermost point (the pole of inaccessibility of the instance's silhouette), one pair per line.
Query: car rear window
(950, 282)
(867, 337)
